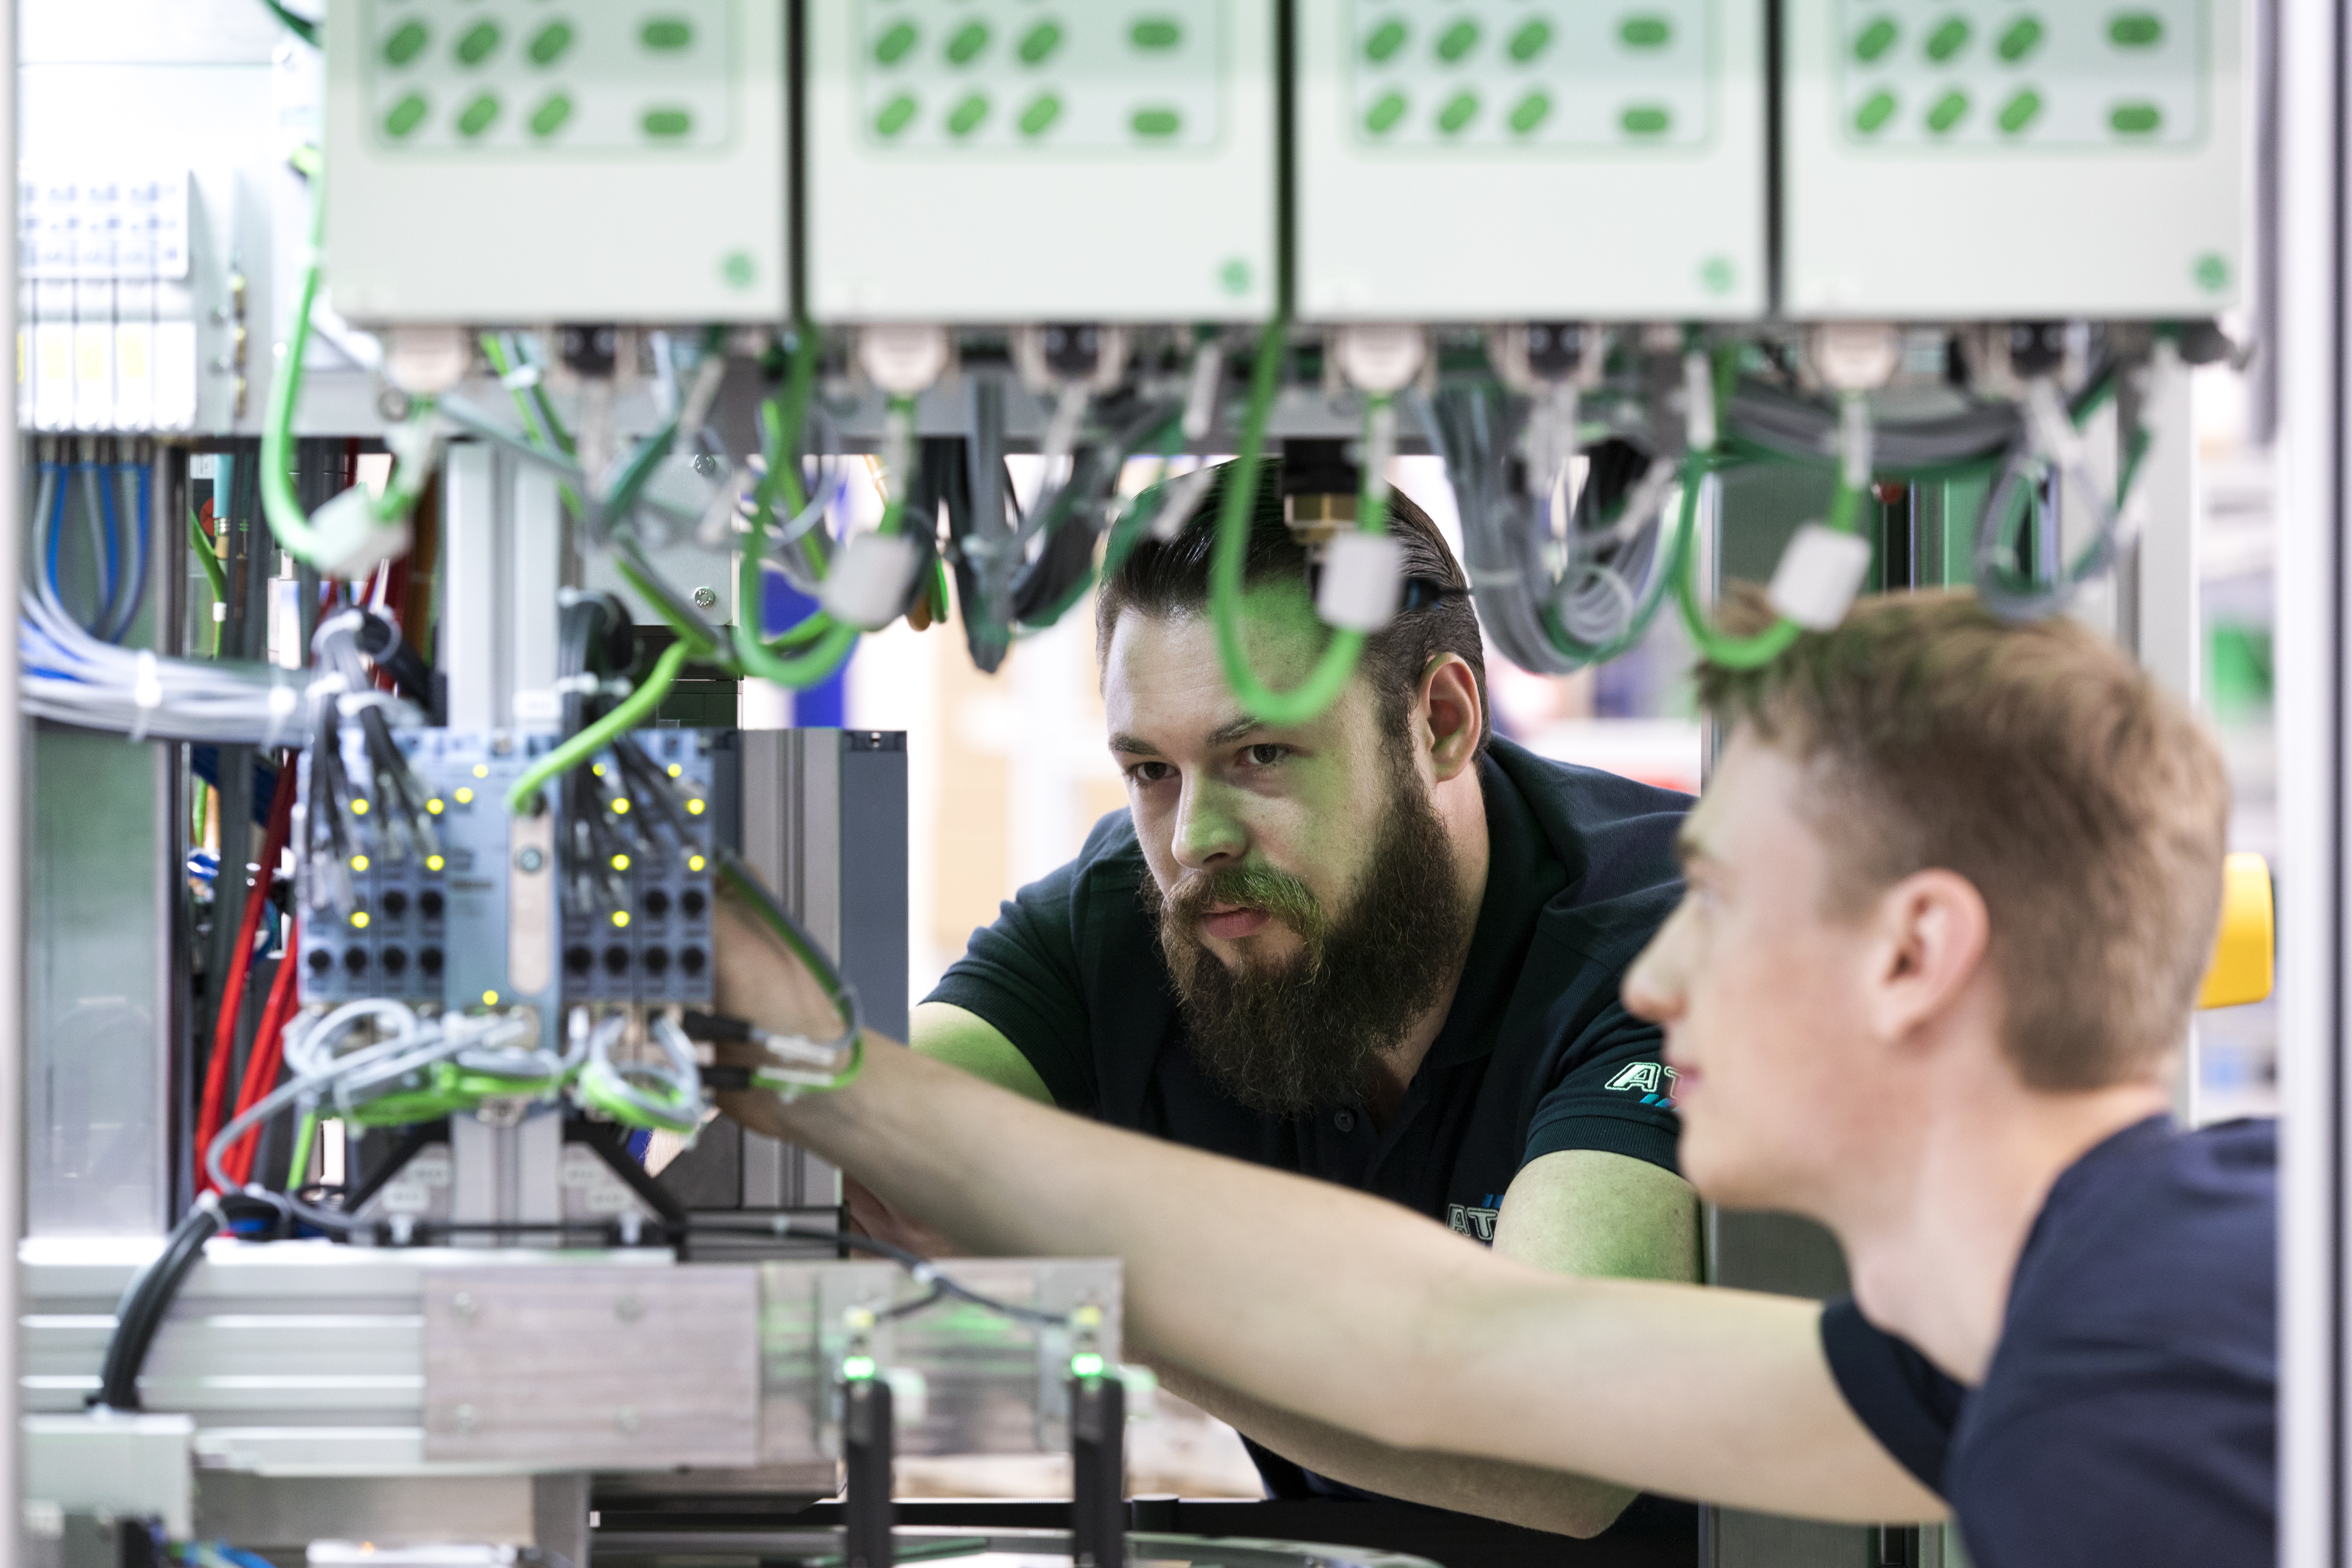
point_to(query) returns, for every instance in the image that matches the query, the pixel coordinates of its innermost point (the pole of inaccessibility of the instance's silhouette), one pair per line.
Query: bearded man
(1381, 948)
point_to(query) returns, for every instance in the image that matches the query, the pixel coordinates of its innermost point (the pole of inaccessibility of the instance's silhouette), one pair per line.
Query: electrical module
(1556, 134)
(496, 161)
(1071, 134)
(2081, 160)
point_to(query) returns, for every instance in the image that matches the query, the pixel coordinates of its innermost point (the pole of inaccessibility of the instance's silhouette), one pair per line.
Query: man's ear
(1935, 937)
(1451, 715)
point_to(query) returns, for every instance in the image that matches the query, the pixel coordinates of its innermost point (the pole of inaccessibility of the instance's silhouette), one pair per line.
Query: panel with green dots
(2046, 73)
(445, 75)
(1493, 73)
(1019, 74)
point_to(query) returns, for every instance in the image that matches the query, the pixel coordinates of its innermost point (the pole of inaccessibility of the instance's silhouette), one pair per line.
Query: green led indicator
(966, 116)
(667, 34)
(895, 116)
(1086, 1363)
(1457, 41)
(2023, 37)
(1530, 112)
(549, 46)
(405, 116)
(479, 43)
(1875, 40)
(1949, 111)
(739, 270)
(894, 44)
(1157, 32)
(1717, 275)
(1873, 116)
(2020, 111)
(2212, 273)
(668, 124)
(1039, 117)
(1948, 40)
(2137, 118)
(1386, 40)
(1233, 276)
(857, 1368)
(1157, 123)
(1383, 116)
(1646, 120)
(406, 44)
(1646, 32)
(551, 116)
(479, 115)
(2136, 30)
(1039, 43)
(1531, 40)
(1458, 112)
(968, 42)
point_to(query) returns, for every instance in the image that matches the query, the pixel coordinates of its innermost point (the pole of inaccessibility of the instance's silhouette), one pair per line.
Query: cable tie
(354, 703)
(146, 693)
(522, 378)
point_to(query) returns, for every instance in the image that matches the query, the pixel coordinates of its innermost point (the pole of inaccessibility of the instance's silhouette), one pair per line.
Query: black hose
(144, 1304)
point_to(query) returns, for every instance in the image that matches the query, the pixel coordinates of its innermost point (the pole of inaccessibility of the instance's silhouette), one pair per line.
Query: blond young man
(1949, 896)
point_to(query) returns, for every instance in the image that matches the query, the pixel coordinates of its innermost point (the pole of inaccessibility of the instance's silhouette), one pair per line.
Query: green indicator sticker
(1459, 112)
(1383, 117)
(1873, 116)
(739, 270)
(667, 124)
(966, 45)
(550, 116)
(1948, 111)
(667, 34)
(406, 44)
(1646, 120)
(2020, 111)
(1157, 123)
(1233, 276)
(897, 115)
(1386, 40)
(966, 117)
(1037, 45)
(1531, 40)
(2023, 37)
(1157, 32)
(405, 116)
(1646, 32)
(1530, 112)
(2137, 118)
(896, 43)
(479, 116)
(2212, 273)
(1039, 117)
(1948, 40)
(1458, 40)
(548, 46)
(2136, 30)
(1876, 39)
(1716, 274)
(479, 43)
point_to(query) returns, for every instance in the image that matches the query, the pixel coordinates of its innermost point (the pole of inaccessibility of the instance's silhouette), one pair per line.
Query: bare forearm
(1491, 1489)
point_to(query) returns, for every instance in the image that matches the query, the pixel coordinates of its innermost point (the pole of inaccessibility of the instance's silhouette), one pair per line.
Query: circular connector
(691, 903)
(355, 959)
(321, 960)
(395, 904)
(656, 903)
(692, 960)
(395, 961)
(430, 903)
(579, 960)
(656, 960)
(616, 960)
(429, 960)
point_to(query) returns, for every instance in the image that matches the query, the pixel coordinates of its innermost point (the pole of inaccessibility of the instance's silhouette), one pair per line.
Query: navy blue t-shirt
(2129, 1414)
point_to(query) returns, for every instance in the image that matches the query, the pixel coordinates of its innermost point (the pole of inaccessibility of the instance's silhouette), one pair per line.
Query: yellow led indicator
(359, 808)
(620, 862)
(694, 808)
(597, 768)
(433, 862)
(619, 805)
(620, 918)
(674, 770)
(359, 862)
(464, 796)
(436, 805)
(359, 919)
(694, 862)
(481, 770)
(489, 998)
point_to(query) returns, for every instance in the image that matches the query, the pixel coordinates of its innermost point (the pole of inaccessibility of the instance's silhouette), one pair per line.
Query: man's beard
(1290, 1036)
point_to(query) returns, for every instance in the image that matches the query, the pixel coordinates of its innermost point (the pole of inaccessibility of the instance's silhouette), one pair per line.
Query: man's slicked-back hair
(1169, 579)
(2089, 809)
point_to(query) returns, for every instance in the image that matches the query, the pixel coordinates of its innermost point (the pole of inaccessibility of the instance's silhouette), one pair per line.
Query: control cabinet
(1610, 160)
(2077, 159)
(981, 161)
(510, 162)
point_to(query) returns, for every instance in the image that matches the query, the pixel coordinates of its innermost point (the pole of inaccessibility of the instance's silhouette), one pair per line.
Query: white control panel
(510, 161)
(1041, 159)
(2013, 158)
(1609, 160)
(109, 336)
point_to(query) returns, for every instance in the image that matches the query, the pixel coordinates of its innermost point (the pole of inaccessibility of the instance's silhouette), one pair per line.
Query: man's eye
(1264, 755)
(1149, 772)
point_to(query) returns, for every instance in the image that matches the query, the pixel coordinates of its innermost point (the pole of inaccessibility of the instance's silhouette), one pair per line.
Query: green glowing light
(857, 1368)
(1085, 1365)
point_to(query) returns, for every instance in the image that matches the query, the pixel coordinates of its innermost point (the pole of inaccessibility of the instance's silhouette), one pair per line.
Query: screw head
(706, 598)
(468, 1417)
(530, 860)
(465, 1306)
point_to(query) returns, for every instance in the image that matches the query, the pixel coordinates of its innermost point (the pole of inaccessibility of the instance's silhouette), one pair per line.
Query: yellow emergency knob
(2243, 948)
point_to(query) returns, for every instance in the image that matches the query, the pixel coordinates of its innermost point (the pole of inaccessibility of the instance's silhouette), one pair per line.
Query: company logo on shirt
(1477, 1222)
(1654, 1081)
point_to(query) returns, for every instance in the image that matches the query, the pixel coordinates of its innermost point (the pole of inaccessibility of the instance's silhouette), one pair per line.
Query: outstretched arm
(1340, 1308)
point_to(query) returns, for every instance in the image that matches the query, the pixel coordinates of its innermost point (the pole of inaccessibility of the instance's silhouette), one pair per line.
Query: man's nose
(1207, 832)
(1652, 987)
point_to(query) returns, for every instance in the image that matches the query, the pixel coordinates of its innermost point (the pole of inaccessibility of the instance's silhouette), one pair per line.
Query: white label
(1819, 574)
(1363, 576)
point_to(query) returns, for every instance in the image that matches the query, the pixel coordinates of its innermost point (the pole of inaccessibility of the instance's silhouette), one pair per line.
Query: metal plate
(592, 1367)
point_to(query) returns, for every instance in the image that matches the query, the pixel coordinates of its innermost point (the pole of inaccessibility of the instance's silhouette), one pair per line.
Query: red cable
(262, 1066)
(209, 1119)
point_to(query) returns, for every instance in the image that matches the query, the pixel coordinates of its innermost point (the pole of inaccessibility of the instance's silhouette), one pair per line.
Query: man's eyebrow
(1227, 733)
(1133, 745)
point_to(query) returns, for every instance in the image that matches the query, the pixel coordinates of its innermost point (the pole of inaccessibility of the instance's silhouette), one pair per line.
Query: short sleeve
(1892, 1390)
(1022, 975)
(1616, 1096)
